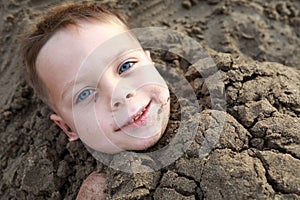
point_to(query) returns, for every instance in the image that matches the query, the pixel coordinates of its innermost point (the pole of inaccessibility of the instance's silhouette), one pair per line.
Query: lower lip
(141, 121)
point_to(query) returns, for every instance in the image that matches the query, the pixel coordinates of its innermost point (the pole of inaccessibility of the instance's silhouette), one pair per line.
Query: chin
(144, 144)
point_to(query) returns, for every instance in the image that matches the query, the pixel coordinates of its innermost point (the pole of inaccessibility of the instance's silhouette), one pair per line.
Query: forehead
(72, 44)
(61, 57)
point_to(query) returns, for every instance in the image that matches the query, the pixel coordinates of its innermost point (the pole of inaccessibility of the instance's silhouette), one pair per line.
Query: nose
(119, 101)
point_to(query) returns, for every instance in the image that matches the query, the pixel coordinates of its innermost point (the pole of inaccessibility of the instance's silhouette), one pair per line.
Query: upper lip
(134, 117)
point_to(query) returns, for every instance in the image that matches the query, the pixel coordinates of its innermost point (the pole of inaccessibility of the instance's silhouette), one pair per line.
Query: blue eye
(124, 67)
(85, 94)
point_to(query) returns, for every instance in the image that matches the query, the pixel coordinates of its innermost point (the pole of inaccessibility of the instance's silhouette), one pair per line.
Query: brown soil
(256, 47)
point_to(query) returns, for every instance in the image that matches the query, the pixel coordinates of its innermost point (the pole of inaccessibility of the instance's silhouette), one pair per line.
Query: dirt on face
(256, 155)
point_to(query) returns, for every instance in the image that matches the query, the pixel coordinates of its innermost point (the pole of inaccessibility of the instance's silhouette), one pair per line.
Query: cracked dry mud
(256, 156)
(255, 46)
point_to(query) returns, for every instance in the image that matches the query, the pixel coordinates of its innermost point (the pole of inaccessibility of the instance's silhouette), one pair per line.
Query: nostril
(117, 104)
(129, 95)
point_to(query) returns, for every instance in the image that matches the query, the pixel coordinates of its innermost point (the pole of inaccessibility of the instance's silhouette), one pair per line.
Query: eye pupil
(85, 94)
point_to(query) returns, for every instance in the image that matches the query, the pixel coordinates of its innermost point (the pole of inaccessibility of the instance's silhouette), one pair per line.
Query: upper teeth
(138, 116)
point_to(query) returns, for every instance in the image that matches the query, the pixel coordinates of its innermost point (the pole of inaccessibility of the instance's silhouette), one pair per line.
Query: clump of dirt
(255, 154)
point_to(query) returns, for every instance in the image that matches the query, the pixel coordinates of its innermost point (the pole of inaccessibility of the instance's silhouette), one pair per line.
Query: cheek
(103, 117)
(161, 94)
(86, 119)
(93, 127)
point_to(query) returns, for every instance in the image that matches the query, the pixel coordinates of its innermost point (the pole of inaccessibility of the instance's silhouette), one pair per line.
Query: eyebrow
(72, 83)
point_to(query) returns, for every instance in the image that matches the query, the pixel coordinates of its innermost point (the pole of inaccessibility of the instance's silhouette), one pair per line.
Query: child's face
(105, 89)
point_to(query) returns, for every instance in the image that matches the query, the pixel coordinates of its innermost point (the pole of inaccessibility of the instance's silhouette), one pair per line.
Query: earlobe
(66, 129)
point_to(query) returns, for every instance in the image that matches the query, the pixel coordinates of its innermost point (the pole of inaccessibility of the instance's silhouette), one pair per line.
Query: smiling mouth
(137, 119)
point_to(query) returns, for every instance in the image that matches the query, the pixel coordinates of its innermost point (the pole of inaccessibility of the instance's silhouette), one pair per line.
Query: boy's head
(85, 64)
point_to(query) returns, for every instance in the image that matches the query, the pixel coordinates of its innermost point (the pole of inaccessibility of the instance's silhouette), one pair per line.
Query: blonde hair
(57, 18)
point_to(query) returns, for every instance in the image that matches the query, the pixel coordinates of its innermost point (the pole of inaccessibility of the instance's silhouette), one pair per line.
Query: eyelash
(127, 62)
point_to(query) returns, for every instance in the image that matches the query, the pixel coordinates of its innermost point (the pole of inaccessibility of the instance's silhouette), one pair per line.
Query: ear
(60, 122)
(148, 55)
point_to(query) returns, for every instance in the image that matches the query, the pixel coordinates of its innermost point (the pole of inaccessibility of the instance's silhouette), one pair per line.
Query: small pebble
(187, 4)
(196, 30)
(7, 113)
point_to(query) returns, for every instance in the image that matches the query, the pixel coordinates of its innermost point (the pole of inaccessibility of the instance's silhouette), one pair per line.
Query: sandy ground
(255, 44)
